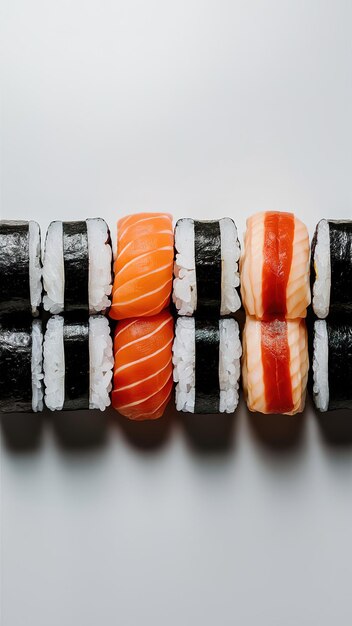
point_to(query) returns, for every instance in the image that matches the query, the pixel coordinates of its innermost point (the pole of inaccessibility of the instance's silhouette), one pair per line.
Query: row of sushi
(78, 356)
(203, 257)
(75, 367)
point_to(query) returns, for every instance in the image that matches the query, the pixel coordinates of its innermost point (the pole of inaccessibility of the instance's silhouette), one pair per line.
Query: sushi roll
(77, 266)
(143, 265)
(206, 267)
(331, 267)
(275, 365)
(20, 267)
(332, 364)
(275, 266)
(21, 356)
(206, 359)
(143, 368)
(78, 363)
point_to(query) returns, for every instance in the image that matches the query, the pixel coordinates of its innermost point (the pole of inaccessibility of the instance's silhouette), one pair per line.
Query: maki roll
(332, 365)
(143, 265)
(206, 267)
(21, 380)
(331, 267)
(143, 368)
(206, 359)
(78, 363)
(275, 266)
(77, 266)
(275, 365)
(20, 267)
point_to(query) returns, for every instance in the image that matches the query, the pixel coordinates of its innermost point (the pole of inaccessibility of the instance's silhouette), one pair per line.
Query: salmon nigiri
(143, 367)
(275, 266)
(275, 365)
(144, 265)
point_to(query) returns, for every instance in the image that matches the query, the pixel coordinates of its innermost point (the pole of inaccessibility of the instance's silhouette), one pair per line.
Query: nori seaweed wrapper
(16, 367)
(207, 254)
(341, 265)
(207, 346)
(76, 349)
(340, 364)
(14, 267)
(76, 265)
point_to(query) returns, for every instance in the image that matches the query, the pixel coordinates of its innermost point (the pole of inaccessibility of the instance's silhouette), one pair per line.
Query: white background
(201, 108)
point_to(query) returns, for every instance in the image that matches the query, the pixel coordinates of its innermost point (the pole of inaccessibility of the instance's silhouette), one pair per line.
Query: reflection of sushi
(331, 267)
(20, 267)
(206, 358)
(332, 364)
(21, 380)
(143, 266)
(77, 266)
(275, 365)
(78, 363)
(206, 267)
(275, 266)
(143, 369)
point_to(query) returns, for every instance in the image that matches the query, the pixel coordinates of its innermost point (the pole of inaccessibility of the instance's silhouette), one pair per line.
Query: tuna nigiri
(144, 265)
(275, 365)
(275, 266)
(143, 367)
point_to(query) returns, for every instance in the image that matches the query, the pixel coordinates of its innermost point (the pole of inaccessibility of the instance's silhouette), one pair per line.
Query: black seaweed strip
(14, 267)
(207, 252)
(341, 266)
(76, 347)
(340, 365)
(207, 344)
(76, 265)
(312, 254)
(16, 368)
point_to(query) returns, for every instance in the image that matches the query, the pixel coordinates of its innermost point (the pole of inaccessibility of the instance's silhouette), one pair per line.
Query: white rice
(53, 269)
(184, 350)
(37, 366)
(230, 277)
(185, 281)
(322, 283)
(99, 277)
(100, 257)
(35, 269)
(100, 362)
(320, 366)
(229, 365)
(54, 364)
(184, 356)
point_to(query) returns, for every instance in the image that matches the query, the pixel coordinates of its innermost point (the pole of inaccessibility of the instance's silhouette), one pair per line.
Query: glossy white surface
(203, 109)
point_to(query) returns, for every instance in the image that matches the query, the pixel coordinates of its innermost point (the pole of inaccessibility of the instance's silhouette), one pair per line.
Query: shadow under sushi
(147, 434)
(278, 432)
(335, 426)
(22, 432)
(209, 433)
(80, 429)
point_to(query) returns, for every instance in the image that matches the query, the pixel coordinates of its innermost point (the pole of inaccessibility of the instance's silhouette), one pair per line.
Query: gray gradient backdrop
(202, 109)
